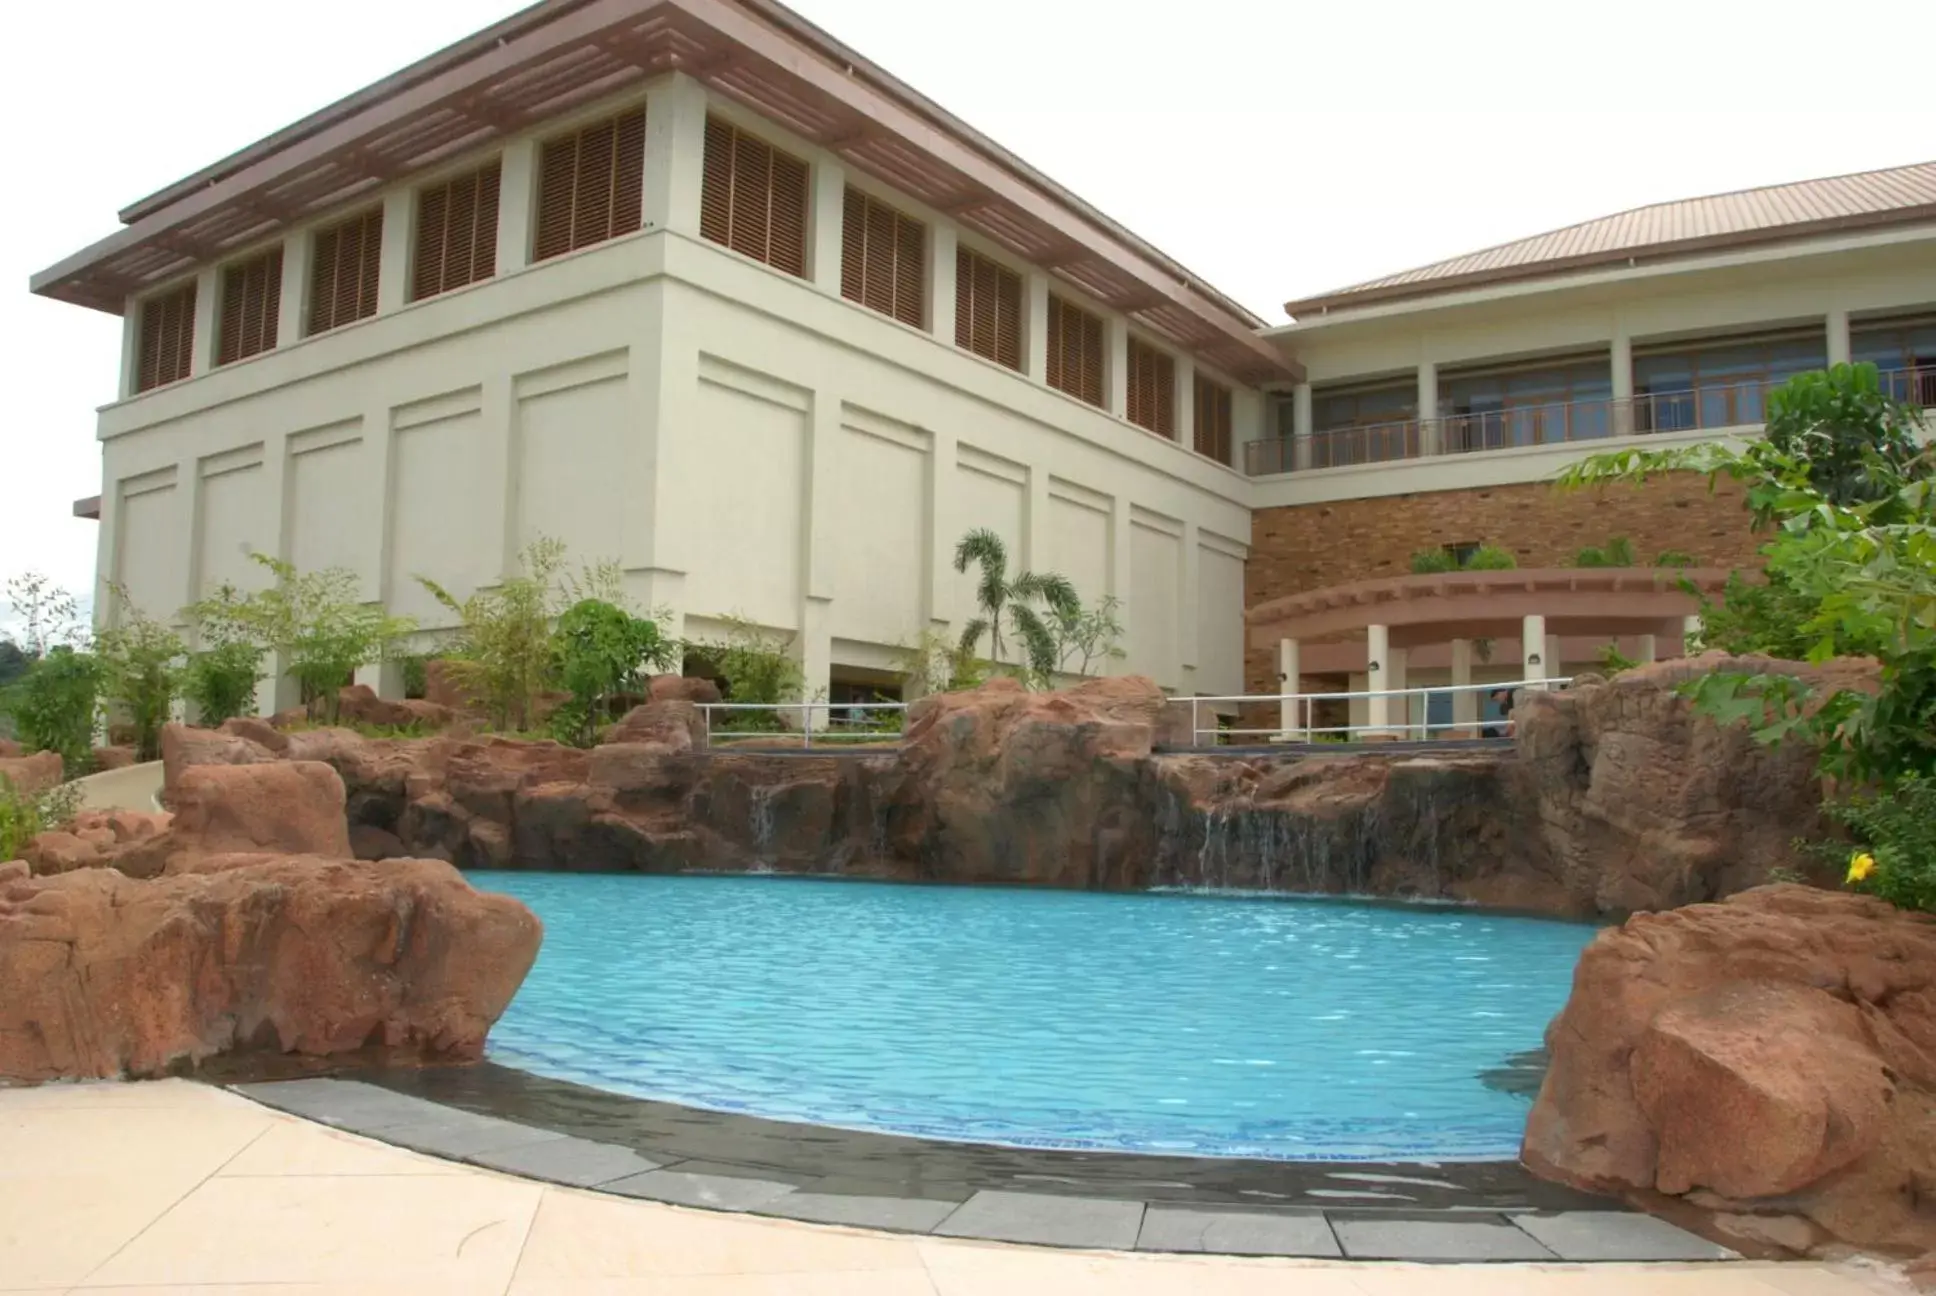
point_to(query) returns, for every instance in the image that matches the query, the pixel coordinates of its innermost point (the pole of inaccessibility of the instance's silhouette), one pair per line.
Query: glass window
(1905, 352)
(1535, 406)
(1723, 384)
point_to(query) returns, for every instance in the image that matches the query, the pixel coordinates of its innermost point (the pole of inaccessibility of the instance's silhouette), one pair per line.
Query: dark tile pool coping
(508, 1120)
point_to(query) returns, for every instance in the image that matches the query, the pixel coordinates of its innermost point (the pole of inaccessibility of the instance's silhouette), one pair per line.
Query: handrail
(1700, 407)
(806, 729)
(1306, 703)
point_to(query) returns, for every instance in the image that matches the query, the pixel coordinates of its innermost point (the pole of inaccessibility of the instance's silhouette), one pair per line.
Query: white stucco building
(689, 285)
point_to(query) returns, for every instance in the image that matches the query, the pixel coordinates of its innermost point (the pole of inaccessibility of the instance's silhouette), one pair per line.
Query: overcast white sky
(1276, 147)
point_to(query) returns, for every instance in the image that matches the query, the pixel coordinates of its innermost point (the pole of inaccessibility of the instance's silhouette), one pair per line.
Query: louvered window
(988, 309)
(1152, 389)
(883, 258)
(1075, 351)
(754, 199)
(251, 300)
(343, 271)
(167, 338)
(1212, 403)
(456, 233)
(591, 185)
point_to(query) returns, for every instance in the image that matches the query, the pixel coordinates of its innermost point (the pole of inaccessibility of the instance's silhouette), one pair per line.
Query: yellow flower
(1861, 865)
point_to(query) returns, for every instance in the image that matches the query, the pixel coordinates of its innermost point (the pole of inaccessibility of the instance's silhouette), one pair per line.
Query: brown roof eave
(424, 68)
(1420, 289)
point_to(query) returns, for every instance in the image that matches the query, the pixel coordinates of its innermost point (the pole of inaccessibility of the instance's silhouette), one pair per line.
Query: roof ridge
(1421, 274)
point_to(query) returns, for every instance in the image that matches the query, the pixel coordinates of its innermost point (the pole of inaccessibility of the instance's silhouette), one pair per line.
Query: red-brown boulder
(1771, 1055)
(359, 704)
(113, 758)
(671, 725)
(183, 746)
(10, 749)
(28, 775)
(102, 975)
(682, 688)
(284, 808)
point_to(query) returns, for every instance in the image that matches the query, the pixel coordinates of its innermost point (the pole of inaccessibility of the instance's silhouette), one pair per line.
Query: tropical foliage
(318, 624)
(601, 651)
(1848, 500)
(223, 670)
(141, 674)
(23, 815)
(999, 594)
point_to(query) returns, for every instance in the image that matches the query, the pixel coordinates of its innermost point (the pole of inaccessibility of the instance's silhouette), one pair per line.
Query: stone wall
(1318, 545)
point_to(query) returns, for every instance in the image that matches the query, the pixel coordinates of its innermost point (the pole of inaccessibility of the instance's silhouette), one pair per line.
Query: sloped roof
(1897, 195)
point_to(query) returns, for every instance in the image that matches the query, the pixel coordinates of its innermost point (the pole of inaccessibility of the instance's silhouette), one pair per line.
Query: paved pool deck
(175, 1187)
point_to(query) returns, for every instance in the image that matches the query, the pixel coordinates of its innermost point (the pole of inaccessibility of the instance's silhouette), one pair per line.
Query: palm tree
(998, 593)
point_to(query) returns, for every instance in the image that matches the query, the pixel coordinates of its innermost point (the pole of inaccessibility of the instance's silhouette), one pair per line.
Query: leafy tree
(602, 649)
(502, 652)
(223, 671)
(54, 706)
(938, 664)
(997, 593)
(321, 627)
(1851, 568)
(25, 815)
(754, 667)
(13, 662)
(1085, 638)
(47, 613)
(141, 664)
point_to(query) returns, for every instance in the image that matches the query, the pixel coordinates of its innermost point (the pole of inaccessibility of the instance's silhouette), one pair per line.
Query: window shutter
(167, 338)
(1152, 389)
(343, 274)
(988, 309)
(251, 301)
(1075, 351)
(883, 258)
(754, 199)
(456, 233)
(1212, 405)
(591, 185)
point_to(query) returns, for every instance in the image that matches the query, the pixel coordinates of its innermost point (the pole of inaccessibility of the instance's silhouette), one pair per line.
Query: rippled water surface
(1159, 1023)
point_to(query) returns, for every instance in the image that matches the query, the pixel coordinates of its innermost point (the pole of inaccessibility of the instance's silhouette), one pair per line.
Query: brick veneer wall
(1317, 545)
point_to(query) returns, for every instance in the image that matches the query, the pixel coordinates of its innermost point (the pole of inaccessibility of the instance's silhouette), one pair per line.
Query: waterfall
(760, 814)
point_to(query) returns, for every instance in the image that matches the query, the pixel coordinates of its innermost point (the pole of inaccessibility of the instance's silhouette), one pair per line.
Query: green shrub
(755, 667)
(1673, 558)
(320, 626)
(602, 649)
(24, 815)
(141, 674)
(1617, 552)
(222, 672)
(502, 653)
(937, 663)
(1491, 558)
(1895, 856)
(1428, 562)
(53, 706)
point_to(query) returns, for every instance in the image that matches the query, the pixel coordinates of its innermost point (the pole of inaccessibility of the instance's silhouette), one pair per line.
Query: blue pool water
(1218, 1026)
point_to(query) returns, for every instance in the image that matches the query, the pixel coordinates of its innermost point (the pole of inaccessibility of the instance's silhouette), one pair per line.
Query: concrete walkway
(133, 787)
(170, 1188)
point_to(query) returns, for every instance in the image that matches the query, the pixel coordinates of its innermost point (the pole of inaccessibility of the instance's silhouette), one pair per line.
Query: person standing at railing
(1503, 727)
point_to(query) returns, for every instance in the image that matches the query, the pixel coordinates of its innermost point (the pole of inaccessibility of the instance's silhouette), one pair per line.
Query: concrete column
(1532, 648)
(822, 489)
(208, 302)
(1184, 419)
(1290, 714)
(675, 154)
(1649, 649)
(1620, 371)
(1465, 706)
(399, 242)
(517, 203)
(1035, 326)
(1188, 617)
(1035, 554)
(1115, 365)
(826, 226)
(385, 678)
(1301, 425)
(379, 447)
(945, 527)
(1690, 630)
(1838, 337)
(1396, 678)
(130, 358)
(189, 482)
(1119, 574)
(1378, 664)
(293, 315)
(497, 478)
(942, 250)
(1428, 407)
(1555, 658)
(814, 646)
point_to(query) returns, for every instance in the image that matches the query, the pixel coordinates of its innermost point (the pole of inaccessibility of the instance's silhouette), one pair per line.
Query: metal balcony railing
(1704, 406)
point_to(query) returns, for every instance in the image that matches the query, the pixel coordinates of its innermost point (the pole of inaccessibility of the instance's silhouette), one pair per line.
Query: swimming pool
(1290, 1029)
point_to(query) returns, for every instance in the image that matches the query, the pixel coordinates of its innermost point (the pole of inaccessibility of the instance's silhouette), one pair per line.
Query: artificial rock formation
(105, 975)
(31, 774)
(1620, 798)
(139, 944)
(1770, 1060)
